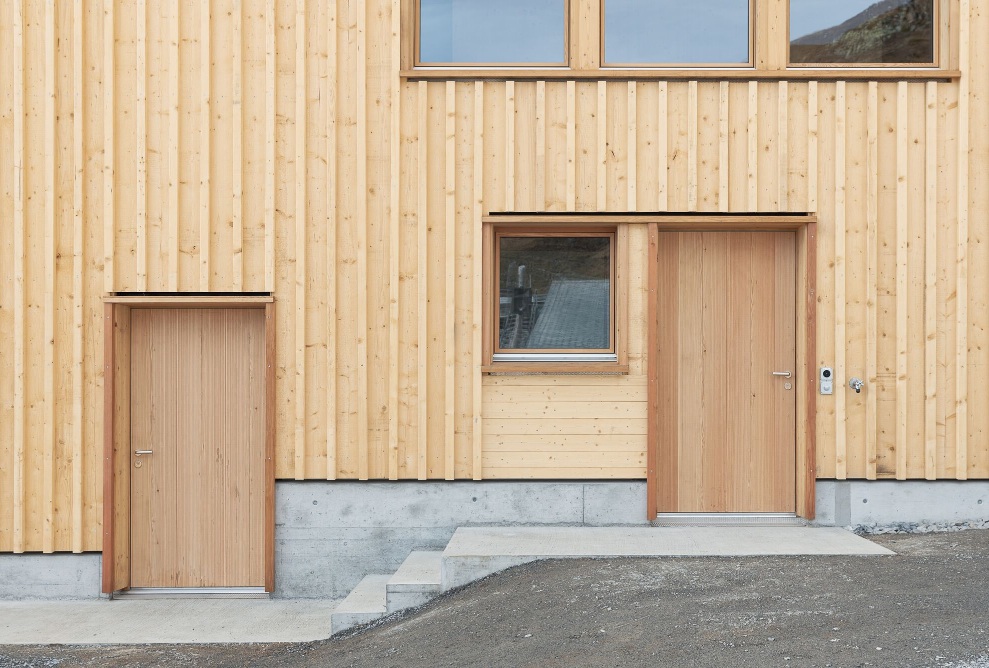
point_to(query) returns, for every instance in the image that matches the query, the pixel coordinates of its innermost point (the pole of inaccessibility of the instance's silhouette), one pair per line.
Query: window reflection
(554, 293)
(861, 31)
(492, 32)
(702, 32)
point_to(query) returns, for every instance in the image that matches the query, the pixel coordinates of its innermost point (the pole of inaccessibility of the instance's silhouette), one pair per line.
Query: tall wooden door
(197, 431)
(726, 316)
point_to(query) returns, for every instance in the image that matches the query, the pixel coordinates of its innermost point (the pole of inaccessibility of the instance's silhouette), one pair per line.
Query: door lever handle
(143, 452)
(785, 374)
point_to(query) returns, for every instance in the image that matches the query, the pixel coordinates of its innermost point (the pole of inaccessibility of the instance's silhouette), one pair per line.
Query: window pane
(861, 31)
(555, 293)
(483, 31)
(676, 32)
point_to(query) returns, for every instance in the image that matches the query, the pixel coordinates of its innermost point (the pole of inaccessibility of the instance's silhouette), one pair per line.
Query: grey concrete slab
(164, 621)
(50, 576)
(419, 572)
(366, 603)
(475, 552)
(867, 502)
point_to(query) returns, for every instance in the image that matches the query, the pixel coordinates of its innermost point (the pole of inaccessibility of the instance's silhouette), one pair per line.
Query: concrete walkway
(471, 554)
(163, 621)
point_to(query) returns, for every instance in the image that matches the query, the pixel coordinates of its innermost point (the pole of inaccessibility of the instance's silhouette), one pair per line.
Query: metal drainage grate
(728, 520)
(192, 592)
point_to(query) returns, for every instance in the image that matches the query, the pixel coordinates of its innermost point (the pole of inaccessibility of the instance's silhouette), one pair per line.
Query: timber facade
(289, 157)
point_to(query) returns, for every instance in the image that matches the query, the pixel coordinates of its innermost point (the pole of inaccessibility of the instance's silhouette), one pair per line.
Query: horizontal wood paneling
(252, 145)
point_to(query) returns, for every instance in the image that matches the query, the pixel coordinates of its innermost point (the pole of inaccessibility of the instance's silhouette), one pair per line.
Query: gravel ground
(926, 606)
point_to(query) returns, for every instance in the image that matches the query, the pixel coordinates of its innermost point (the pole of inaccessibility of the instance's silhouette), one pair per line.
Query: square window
(482, 32)
(862, 32)
(668, 32)
(555, 295)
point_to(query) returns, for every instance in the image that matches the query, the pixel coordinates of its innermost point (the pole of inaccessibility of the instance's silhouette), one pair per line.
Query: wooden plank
(601, 144)
(301, 193)
(565, 409)
(841, 434)
(477, 283)
(571, 122)
(565, 380)
(565, 443)
(540, 146)
(270, 429)
(48, 428)
(205, 137)
(422, 464)
(141, 152)
(270, 121)
(962, 241)
(109, 499)
(558, 472)
(239, 120)
(450, 253)
(633, 141)
(171, 225)
(330, 100)
(109, 145)
(723, 125)
(552, 460)
(812, 146)
(902, 270)
(653, 371)
(662, 145)
(18, 539)
(503, 427)
(752, 158)
(510, 156)
(358, 18)
(78, 278)
(394, 226)
(692, 152)
(782, 147)
(872, 264)
(588, 393)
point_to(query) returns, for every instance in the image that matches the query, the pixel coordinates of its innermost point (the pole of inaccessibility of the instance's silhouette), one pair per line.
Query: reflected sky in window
(673, 31)
(487, 31)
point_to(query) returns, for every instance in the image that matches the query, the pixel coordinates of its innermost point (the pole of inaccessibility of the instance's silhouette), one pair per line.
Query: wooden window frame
(748, 65)
(941, 41)
(769, 53)
(496, 227)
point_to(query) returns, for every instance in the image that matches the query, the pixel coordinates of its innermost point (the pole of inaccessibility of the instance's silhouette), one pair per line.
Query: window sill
(670, 74)
(547, 368)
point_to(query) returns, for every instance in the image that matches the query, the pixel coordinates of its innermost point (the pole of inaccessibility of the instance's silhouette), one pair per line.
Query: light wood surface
(197, 403)
(161, 210)
(726, 315)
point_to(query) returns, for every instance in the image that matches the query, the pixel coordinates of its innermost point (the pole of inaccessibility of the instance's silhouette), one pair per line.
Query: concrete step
(366, 603)
(475, 552)
(415, 582)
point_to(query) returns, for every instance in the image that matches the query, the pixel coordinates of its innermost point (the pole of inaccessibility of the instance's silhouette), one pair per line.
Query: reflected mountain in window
(862, 32)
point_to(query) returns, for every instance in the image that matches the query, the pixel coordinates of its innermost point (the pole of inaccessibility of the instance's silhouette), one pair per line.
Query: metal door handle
(785, 374)
(143, 452)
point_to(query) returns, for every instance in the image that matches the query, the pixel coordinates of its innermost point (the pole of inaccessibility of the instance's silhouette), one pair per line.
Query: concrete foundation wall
(863, 502)
(50, 576)
(328, 535)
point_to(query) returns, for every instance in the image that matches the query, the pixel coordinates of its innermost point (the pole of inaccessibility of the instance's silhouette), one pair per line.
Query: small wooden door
(726, 316)
(197, 417)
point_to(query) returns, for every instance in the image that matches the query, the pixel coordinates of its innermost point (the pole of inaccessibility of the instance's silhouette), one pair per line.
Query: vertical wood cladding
(254, 145)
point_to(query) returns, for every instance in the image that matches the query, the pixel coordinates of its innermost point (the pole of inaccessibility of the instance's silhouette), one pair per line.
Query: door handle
(143, 452)
(785, 374)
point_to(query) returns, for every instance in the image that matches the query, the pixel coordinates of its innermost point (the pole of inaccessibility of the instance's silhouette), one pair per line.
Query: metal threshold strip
(728, 519)
(192, 592)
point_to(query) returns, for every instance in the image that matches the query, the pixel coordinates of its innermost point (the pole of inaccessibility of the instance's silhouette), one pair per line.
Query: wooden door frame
(805, 227)
(116, 425)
